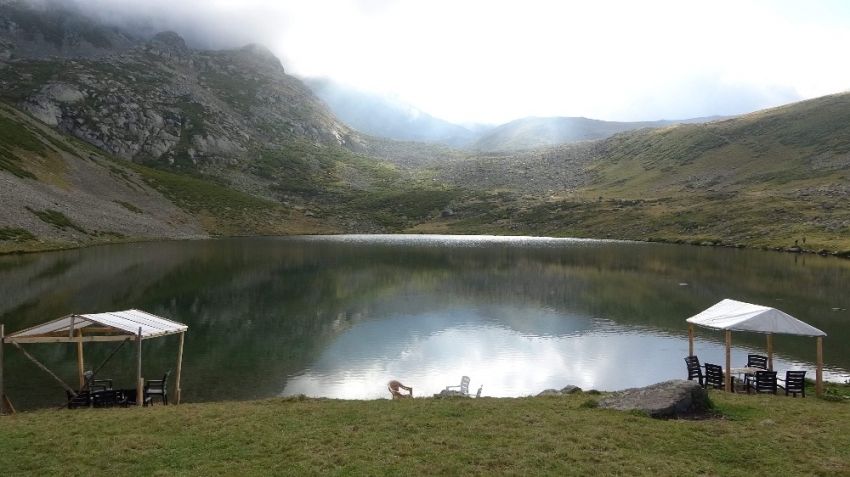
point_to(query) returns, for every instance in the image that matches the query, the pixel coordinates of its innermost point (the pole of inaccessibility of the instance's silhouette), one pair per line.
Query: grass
(15, 234)
(755, 435)
(56, 219)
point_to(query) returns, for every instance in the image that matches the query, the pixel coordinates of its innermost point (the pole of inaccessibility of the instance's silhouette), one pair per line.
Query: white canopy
(125, 322)
(740, 316)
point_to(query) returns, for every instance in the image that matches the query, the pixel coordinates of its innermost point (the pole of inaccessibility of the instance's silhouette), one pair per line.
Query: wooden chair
(157, 388)
(463, 386)
(694, 369)
(394, 387)
(715, 378)
(763, 382)
(795, 383)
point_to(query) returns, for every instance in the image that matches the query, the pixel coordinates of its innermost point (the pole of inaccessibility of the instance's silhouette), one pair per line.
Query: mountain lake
(339, 316)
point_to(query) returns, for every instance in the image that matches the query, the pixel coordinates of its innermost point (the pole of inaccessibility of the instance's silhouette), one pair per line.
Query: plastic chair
(82, 399)
(157, 388)
(394, 387)
(715, 378)
(795, 383)
(763, 382)
(694, 369)
(463, 386)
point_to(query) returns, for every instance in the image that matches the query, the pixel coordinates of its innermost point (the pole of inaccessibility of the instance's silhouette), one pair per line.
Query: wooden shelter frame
(728, 331)
(119, 326)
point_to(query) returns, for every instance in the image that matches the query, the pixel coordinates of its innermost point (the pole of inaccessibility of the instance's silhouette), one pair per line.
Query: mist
(495, 61)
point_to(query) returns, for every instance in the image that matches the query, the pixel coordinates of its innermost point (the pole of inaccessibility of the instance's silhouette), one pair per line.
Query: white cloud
(494, 61)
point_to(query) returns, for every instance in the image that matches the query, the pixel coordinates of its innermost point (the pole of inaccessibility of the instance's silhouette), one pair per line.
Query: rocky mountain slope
(158, 140)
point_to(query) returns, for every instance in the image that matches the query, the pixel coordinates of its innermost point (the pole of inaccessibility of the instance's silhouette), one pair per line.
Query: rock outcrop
(663, 400)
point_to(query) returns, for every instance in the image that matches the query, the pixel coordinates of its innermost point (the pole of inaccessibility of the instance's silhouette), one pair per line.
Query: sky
(493, 61)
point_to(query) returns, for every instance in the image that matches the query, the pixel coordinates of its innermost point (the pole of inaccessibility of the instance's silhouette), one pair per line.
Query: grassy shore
(748, 436)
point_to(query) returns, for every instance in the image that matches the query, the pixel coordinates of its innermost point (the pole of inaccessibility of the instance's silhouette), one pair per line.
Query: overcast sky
(494, 61)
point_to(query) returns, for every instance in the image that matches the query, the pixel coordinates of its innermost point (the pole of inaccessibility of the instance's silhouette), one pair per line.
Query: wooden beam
(80, 362)
(819, 372)
(728, 377)
(140, 397)
(690, 339)
(44, 368)
(770, 351)
(75, 339)
(179, 369)
(2, 393)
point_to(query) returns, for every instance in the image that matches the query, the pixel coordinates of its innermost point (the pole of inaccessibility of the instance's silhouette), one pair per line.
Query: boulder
(568, 389)
(673, 398)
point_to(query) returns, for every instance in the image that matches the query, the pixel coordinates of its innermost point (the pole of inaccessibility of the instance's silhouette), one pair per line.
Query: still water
(340, 316)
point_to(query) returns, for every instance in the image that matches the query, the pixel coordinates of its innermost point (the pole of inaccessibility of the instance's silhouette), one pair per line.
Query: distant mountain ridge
(535, 133)
(381, 116)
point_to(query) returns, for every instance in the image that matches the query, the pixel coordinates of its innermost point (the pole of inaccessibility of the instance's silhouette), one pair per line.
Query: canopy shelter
(732, 315)
(123, 326)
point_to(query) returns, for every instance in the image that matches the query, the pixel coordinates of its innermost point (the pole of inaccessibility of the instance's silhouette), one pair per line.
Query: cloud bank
(494, 61)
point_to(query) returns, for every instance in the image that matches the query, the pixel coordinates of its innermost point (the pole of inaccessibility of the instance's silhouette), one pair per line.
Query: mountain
(382, 116)
(153, 139)
(56, 29)
(776, 178)
(535, 133)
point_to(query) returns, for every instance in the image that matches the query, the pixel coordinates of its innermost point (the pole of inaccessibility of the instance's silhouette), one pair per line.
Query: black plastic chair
(82, 399)
(754, 361)
(795, 383)
(715, 378)
(694, 369)
(763, 382)
(157, 388)
(108, 398)
(127, 398)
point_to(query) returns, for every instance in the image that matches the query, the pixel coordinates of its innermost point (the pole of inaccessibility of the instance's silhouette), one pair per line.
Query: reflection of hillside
(262, 310)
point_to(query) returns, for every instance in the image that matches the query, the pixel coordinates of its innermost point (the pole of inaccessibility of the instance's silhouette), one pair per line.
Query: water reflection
(340, 316)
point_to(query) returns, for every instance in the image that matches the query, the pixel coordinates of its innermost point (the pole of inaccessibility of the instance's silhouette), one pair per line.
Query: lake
(339, 316)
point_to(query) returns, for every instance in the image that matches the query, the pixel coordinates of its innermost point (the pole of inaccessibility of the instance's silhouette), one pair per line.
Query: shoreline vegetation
(550, 435)
(56, 246)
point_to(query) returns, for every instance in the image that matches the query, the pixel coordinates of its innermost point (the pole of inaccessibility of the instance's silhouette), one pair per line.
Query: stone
(673, 398)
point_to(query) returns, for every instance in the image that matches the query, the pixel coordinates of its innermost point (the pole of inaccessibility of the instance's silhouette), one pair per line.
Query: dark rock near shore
(675, 398)
(568, 389)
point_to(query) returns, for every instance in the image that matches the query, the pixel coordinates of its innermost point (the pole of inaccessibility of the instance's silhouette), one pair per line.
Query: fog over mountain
(614, 61)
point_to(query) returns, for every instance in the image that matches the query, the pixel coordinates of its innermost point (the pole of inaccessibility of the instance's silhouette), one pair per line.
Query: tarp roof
(122, 322)
(740, 316)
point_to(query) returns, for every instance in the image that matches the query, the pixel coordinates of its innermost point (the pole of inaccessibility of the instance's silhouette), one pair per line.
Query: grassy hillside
(748, 435)
(772, 179)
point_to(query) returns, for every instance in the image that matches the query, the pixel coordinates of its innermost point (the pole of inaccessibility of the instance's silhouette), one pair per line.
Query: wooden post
(819, 372)
(80, 361)
(179, 368)
(690, 339)
(2, 393)
(728, 384)
(770, 351)
(140, 397)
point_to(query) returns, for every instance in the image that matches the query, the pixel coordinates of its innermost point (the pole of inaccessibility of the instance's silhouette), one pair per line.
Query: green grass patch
(16, 234)
(129, 206)
(558, 435)
(56, 219)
